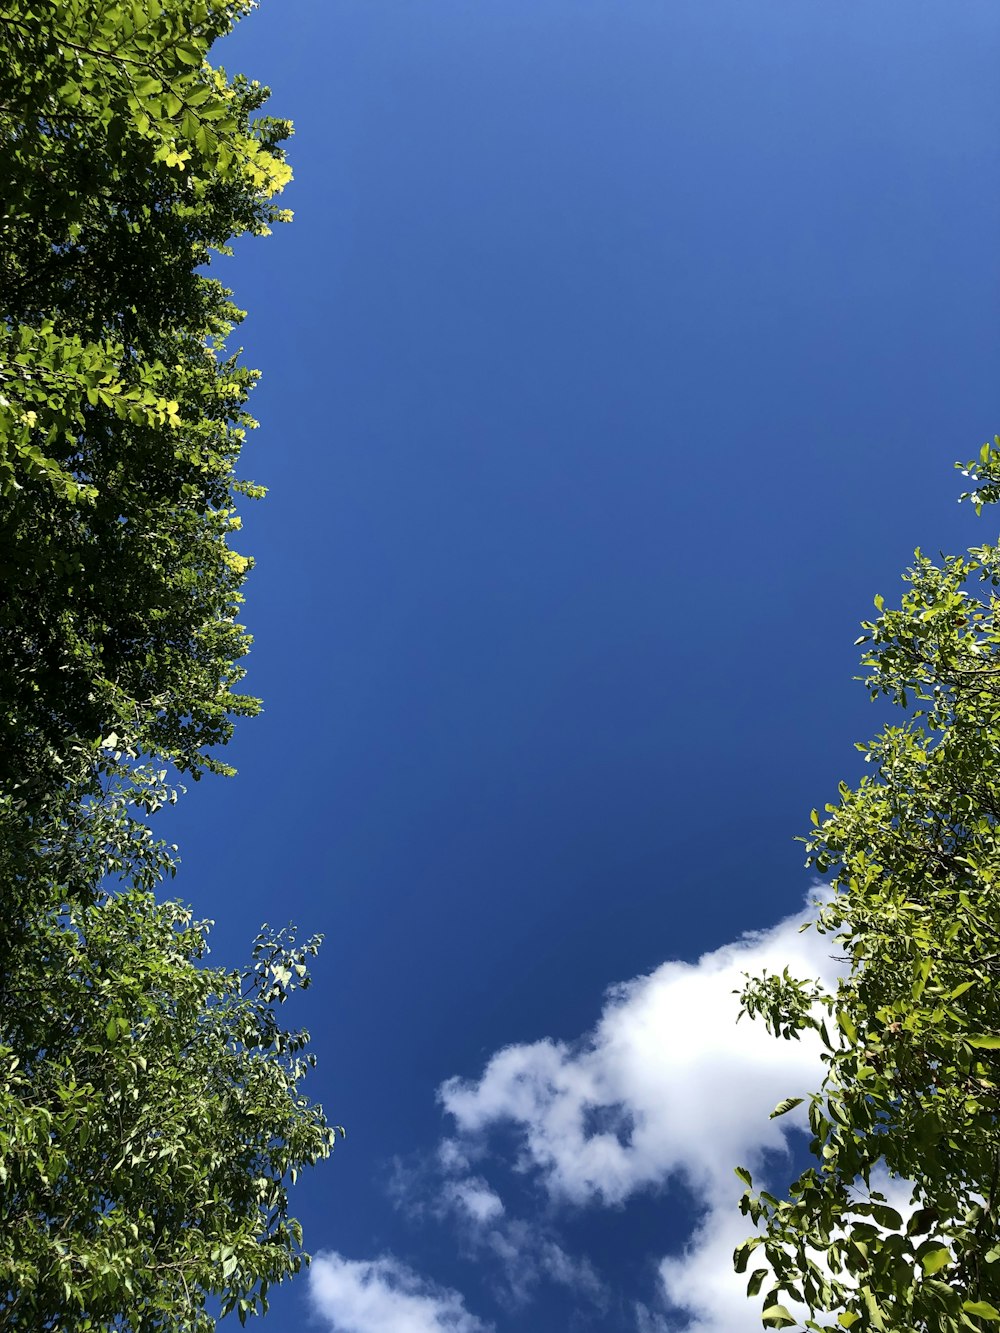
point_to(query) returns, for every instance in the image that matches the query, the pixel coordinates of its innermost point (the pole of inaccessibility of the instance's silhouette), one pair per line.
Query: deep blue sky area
(617, 356)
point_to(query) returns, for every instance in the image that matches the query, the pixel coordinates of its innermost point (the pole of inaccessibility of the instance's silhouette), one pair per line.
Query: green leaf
(756, 1281)
(982, 1310)
(922, 1221)
(935, 1260)
(960, 990)
(742, 1253)
(886, 1217)
(784, 1106)
(989, 1041)
(871, 1304)
(847, 1026)
(776, 1316)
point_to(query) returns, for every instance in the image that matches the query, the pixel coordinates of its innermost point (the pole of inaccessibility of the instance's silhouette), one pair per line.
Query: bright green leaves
(935, 1259)
(787, 1005)
(147, 83)
(117, 1028)
(50, 381)
(186, 54)
(984, 472)
(776, 1316)
(158, 1127)
(847, 1026)
(982, 1310)
(125, 161)
(912, 1087)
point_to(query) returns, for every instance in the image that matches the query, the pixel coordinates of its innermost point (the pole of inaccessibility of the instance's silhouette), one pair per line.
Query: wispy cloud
(529, 1252)
(384, 1296)
(517, 1253)
(474, 1198)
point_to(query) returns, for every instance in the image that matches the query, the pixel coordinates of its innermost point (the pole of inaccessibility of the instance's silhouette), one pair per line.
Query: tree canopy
(912, 1034)
(151, 1112)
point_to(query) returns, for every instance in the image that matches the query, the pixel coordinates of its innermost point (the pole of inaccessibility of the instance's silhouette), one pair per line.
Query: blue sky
(618, 355)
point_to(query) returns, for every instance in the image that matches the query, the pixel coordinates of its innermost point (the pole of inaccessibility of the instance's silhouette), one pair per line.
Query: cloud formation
(384, 1296)
(665, 1088)
(524, 1251)
(473, 1197)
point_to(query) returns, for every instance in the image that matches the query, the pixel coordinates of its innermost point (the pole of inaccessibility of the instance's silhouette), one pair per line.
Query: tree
(150, 1114)
(912, 1033)
(150, 1107)
(125, 161)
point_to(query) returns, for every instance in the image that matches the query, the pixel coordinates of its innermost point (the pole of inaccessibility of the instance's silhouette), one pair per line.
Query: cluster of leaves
(150, 1106)
(912, 1033)
(148, 1121)
(125, 161)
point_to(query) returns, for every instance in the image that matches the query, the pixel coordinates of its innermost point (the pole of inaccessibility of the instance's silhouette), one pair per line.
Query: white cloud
(451, 1156)
(474, 1197)
(384, 1296)
(666, 1087)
